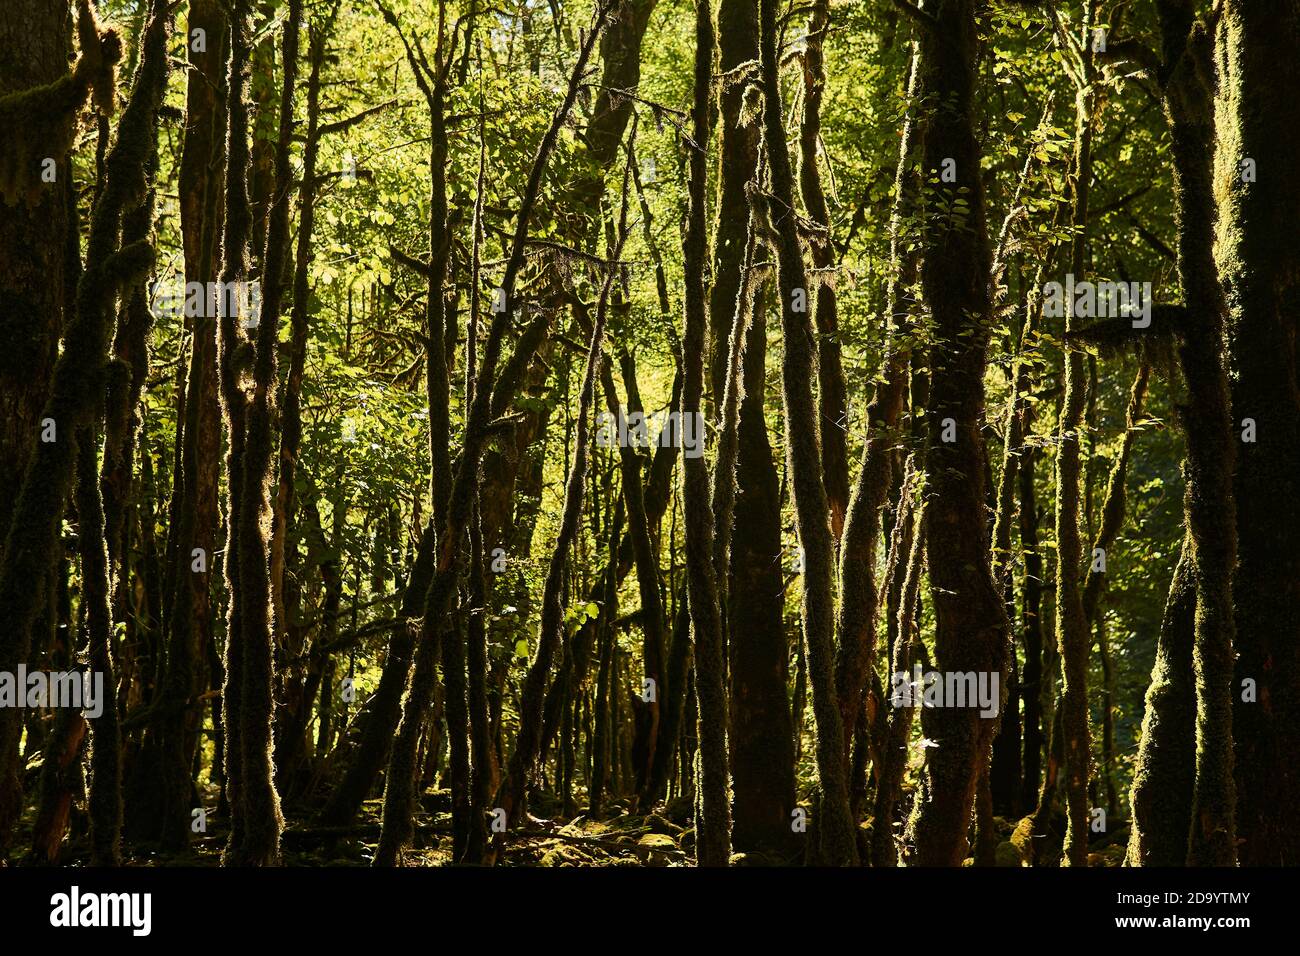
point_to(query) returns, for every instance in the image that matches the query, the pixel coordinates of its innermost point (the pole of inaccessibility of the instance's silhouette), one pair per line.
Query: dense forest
(649, 433)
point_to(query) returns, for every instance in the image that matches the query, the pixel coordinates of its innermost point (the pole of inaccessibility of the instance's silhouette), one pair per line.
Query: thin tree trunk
(833, 392)
(1165, 774)
(106, 742)
(291, 395)
(513, 795)
(234, 269)
(970, 619)
(838, 842)
(399, 793)
(855, 624)
(906, 651)
(1031, 679)
(1072, 631)
(713, 807)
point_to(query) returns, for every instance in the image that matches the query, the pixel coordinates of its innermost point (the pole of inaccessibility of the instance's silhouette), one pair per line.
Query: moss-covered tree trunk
(483, 765)
(906, 652)
(620, 57)
(832, 395)
(838, 843)
(105, 513)
(855, 625)
(159, 789)
(1073, 635)
(762, 729)
(970, 620)
(259, 802)
(295, 705)
(762, 735)
(712, 806)
(105, 801)
(1257, 153)
(599, 740)
(1031, 606)
(154, 816)
(35, 42)
(79, 381)
(232, 350)
(1165, 773)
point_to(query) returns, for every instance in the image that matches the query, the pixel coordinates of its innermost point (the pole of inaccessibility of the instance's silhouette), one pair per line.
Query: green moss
(40, 123)
(1008, 854)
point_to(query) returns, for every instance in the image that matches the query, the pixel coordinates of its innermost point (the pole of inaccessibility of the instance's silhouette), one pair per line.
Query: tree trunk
(35, 42)
(1259, 267)
(1165, 774)
(970, 619)
(858, 590)
(758, 651)
(75, 399)
(833, 393)
(1072, 630)
(713, 807)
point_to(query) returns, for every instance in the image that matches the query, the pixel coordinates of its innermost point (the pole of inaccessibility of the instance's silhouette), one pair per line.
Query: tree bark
(832, 391)
(838, 841)
(75, 398)
(762, 734)
(1072, 631)
(1165, 774)
(970, 619)
(713, 805)
(1258, 266)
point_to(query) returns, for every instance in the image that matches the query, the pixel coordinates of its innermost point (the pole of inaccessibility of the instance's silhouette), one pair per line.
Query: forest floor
(621, 837)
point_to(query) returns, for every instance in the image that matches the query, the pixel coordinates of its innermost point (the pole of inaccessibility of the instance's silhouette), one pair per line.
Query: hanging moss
(40, 123)
(106, 741)
(231, 359)
(79, 380)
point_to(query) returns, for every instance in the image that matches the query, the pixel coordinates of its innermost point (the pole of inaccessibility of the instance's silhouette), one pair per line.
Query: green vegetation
(331, 327)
